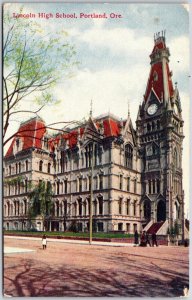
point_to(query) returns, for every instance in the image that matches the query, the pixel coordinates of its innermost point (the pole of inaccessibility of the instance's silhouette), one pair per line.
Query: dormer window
(155, 76)
(17, 144)
(45, 142)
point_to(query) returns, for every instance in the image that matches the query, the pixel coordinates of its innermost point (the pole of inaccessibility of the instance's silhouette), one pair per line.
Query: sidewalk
(70, 241)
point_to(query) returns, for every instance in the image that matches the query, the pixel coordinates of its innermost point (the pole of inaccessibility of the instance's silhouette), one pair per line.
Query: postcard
(96, 149)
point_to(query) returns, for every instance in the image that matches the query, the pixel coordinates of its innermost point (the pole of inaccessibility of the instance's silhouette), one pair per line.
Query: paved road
(71, 241)
(66, 269)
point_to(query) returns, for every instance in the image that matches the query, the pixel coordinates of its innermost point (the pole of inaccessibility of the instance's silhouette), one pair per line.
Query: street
(66, 269)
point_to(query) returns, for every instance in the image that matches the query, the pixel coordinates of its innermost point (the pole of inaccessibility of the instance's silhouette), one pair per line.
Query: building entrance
(161, 211)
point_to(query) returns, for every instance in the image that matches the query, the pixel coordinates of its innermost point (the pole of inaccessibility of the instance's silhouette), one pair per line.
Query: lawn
(69, 234)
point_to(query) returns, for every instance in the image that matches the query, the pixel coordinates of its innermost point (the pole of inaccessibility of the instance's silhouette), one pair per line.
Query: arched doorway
(147, 210)
(161, 211)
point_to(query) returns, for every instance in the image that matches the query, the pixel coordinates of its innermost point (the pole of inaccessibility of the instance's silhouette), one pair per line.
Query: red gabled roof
(30, 134)
(111, 127)
(156, 76)
(157, 85)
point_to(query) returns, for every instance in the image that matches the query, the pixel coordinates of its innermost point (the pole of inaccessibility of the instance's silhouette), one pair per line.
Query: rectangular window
(120, 206)
(101, 181)
(149, 184)
(89, 183)
(135, 186)
(120, 226)
(153, 186)
(128, 206)
(100, 226)
(121, 182)
(158, 186)
(80, 184)
(65, 183)
(134, 227)
(128, 227)
(19, 187)
(26, 186)
(58, 186)
(128, 184)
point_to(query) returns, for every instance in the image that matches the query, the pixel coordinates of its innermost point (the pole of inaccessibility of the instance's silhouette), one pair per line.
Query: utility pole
(91, 198)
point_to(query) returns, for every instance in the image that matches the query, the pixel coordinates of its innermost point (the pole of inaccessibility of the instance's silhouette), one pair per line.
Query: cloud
(179, 49)
(118, 40)
(186, 6)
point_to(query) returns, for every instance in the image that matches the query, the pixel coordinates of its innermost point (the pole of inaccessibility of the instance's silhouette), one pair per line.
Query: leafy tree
(41, 202)
(34, 61)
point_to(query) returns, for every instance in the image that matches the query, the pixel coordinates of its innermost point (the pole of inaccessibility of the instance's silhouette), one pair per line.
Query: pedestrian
(154, 239)
(147, 240)
(136, 237)
(44, 242)
(143, 239)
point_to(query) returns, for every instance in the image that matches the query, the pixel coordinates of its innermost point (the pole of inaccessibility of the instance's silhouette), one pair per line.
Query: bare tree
(33, 62)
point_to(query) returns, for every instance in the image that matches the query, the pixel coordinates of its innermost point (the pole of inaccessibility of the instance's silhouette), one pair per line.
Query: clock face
(152, 109)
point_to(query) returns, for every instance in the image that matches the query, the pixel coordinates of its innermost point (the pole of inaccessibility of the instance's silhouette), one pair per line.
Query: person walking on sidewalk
(44, 241)
(154, 239)
(136, 237)
(147, 240)
(143, 239)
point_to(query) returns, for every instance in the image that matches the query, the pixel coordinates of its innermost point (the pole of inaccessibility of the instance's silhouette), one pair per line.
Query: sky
(114, 60)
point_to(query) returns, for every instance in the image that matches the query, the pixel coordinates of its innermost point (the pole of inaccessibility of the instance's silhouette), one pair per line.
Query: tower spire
(128, 104)
(91, 109)
(160, 76)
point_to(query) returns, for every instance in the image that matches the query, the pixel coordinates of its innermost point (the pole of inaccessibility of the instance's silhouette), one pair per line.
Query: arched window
(26, 185)
(134, 207)
(57, 209)
(149, 184)
(148, 127)
(161, 211)
(65, 186)
(153, 186)
(128, 156)
(65, 207)
(80, 207)
(88, 154)
(41, 166)
(128, 184)
(121, 182)
(26, 165)
(58, 187)
(100, 199)
(158, 186)
(80, 184)
(100, 181)
(49, 168)
(128, 206)
(147, 210)
(175, 158)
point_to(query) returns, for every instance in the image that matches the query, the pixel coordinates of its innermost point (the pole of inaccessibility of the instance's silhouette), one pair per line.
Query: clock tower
(160, 136)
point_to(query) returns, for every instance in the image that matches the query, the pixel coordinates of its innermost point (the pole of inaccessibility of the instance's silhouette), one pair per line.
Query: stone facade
(137, 174)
